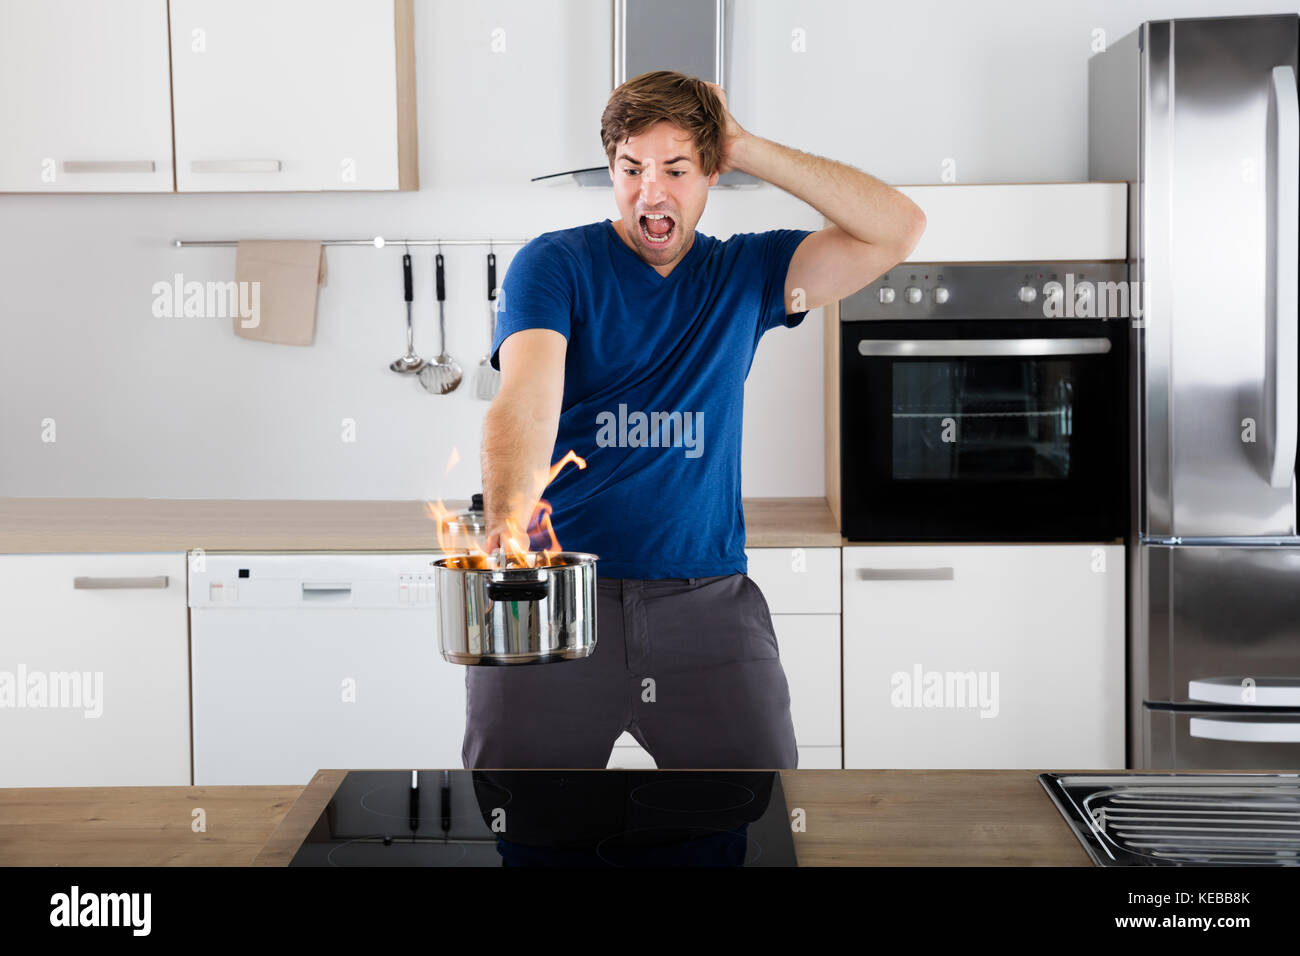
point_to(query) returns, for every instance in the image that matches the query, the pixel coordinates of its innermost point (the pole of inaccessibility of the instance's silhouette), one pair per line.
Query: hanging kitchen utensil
(494, 614)
(409, 363)
(443, 374)
(487, 380)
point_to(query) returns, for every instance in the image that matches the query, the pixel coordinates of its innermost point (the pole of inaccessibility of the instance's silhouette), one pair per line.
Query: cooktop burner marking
(419, 852)
(603, 848)
(689, 796)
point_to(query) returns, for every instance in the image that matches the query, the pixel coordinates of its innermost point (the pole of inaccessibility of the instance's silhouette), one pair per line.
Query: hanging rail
(378, 242)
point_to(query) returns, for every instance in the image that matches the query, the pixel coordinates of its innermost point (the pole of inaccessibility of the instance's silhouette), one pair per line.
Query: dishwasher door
(304, 662)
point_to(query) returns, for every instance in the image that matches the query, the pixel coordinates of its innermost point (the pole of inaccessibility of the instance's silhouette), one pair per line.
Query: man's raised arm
(875, 226)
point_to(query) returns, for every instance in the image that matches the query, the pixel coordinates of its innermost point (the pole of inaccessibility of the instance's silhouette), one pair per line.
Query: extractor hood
(690, 36)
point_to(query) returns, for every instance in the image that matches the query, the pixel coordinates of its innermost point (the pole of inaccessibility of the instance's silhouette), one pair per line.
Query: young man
(629, 343)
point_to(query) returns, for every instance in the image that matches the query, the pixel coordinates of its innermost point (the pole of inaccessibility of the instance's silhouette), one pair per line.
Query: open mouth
(657, 228)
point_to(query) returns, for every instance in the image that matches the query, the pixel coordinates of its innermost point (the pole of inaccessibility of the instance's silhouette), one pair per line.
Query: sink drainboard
(1180, 819)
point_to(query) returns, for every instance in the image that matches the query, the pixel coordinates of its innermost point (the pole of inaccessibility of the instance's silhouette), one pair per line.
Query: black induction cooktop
(553, 818)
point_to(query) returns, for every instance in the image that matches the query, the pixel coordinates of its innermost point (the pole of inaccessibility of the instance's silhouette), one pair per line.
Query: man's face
(660, 191)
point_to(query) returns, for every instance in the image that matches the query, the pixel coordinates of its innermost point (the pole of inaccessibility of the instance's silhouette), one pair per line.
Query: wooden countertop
(854, 818)
(114, 525)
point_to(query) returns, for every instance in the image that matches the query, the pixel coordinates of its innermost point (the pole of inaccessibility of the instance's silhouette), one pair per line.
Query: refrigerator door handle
(1245, 691)
(1279, 732)
(1281, 334)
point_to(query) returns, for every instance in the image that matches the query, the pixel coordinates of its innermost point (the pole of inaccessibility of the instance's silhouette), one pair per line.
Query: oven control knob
(912, 294)
(886, 295)
(940, 294)
(1027, 293)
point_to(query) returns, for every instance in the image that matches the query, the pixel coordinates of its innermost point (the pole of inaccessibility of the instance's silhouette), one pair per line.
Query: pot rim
(583, 558)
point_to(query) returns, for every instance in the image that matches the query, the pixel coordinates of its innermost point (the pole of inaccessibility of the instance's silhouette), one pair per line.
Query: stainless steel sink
(1181, 819)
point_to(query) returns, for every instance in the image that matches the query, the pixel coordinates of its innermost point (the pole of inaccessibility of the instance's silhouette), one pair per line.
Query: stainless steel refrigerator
(1200, 117)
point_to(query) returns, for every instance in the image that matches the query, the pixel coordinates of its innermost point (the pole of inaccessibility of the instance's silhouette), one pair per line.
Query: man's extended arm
(876, 226)
(519, 431)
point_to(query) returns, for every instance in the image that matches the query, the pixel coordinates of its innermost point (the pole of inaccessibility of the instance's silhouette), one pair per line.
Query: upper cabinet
(293, 95)
(84, 100)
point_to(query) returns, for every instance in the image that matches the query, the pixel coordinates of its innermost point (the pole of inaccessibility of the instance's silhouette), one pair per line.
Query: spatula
(487, 380)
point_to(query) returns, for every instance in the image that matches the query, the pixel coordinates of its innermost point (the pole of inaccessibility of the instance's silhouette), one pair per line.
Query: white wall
(182, 408)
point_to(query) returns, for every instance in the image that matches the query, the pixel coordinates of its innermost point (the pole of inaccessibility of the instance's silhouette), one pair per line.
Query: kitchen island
(853, 818)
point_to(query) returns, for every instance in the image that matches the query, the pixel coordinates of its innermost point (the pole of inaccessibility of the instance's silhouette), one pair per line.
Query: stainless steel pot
(516, 615)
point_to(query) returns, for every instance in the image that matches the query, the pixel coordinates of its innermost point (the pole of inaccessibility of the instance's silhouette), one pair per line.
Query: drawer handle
(905, 574)
(1273, 733)
(108, 166)
(235, 166)
(116, 584)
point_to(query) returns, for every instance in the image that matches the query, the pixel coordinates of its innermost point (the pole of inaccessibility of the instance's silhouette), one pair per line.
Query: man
(629, 343)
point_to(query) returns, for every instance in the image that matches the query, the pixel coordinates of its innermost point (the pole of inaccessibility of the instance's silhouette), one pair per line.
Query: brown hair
(682, 100)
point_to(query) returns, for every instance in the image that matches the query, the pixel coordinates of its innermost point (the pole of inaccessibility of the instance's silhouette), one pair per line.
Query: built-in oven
(985, 402)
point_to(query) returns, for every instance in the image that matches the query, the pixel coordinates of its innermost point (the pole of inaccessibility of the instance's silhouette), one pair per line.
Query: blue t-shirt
(654, 390)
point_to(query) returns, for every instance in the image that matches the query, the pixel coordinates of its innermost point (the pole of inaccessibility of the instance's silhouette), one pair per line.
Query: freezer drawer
(1223, 625)
(1221, 739)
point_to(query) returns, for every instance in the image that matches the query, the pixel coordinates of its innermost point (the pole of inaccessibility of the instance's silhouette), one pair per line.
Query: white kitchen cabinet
(630, 755)
(802, 590)
(810, 657)
(797, 580)
(106, 636)
(984, 656)
(85, 101)
(293, 95)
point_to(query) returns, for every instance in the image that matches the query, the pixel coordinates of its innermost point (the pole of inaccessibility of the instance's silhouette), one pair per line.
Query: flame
(470, 550)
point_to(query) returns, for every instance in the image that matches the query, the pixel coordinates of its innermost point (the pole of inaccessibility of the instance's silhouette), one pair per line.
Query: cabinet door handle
(235, 166)
(905, 574)
(108, 166)
(86, 583)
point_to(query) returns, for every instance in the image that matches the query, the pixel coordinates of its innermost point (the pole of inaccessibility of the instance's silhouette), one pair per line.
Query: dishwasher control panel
(415, 589)
(311, 579)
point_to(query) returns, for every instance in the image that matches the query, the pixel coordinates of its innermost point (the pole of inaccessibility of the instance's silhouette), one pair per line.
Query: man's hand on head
(732, 132)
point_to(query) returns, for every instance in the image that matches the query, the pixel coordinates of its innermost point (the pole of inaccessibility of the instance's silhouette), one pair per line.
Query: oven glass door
(983, 430)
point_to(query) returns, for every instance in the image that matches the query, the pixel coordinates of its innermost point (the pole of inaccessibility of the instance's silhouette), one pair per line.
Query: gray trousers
(688, 666)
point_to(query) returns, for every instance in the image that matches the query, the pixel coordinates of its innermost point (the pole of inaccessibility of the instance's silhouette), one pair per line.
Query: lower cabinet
(802, 590)
(984, 656)
(94, 670)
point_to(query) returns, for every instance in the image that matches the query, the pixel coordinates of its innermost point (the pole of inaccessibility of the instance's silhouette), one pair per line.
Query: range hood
(690, 36)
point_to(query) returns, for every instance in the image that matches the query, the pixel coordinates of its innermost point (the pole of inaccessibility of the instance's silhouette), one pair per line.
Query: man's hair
(682, 100)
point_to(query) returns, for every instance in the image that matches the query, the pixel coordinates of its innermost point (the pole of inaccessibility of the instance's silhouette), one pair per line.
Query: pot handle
(516, 590)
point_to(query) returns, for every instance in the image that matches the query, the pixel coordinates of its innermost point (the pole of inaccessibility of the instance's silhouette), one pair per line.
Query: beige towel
(279, 302)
